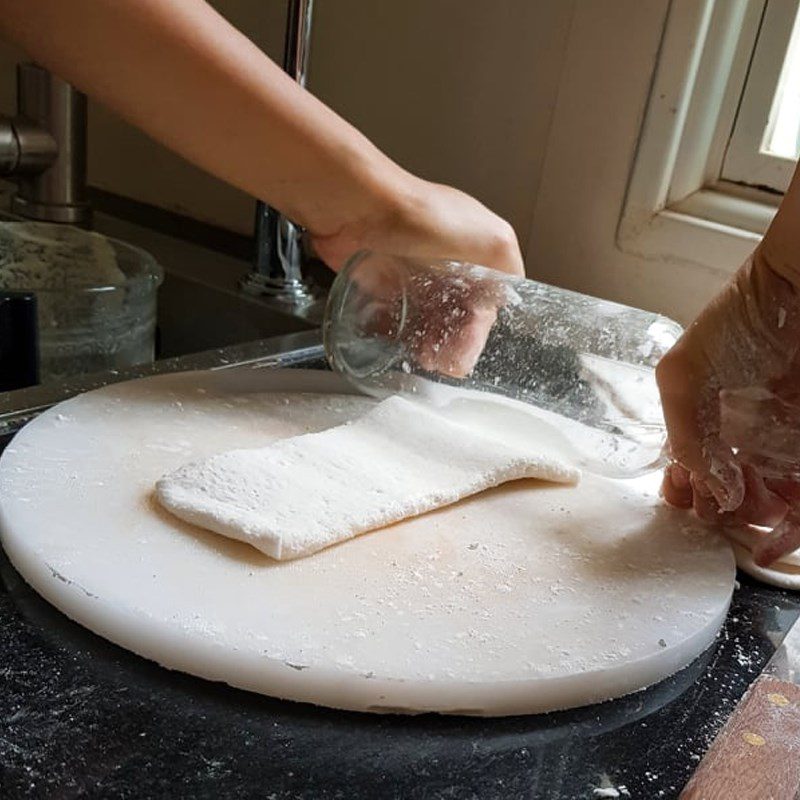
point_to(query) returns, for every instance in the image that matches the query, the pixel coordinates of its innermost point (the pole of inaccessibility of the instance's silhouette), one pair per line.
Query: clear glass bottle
(486, 347)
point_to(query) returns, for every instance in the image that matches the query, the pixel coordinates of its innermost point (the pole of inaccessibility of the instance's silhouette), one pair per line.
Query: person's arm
(732, 383)
(184, 75)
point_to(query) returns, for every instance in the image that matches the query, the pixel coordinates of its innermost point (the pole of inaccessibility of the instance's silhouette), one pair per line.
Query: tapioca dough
(302, 494)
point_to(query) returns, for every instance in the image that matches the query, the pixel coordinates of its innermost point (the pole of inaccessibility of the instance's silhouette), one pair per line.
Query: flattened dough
(302, 494)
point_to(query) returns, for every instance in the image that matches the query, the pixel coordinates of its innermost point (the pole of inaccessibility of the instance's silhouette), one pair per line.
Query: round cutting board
(530, 597)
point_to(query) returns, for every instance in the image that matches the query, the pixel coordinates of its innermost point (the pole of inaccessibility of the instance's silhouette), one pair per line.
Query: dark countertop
(80, 717)
(84, 718)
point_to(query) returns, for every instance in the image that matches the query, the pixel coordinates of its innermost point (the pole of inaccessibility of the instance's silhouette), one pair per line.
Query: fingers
(683, 490)
(456, 313)
(489, 241)
(676, 487)
(724, 476)
(743, 342)
(509, 257)
(446, 223)
(704, 502)
(764, 504)
(760, 506)
(773, 503)
(787, 488)
(464, 345)
(785, 536)
(690, 402)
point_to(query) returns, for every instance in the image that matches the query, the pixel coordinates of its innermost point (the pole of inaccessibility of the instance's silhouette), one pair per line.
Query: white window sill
(740, 213)
(710, 228)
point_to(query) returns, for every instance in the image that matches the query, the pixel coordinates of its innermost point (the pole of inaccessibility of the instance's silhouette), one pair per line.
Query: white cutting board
(527, 598)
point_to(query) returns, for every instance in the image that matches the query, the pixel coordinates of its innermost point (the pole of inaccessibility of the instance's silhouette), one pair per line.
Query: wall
(461, 92)
(608, 67)
(125, 161)
(534, 106)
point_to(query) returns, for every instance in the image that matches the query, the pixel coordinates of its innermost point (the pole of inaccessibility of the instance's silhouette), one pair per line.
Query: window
(721, 134)
(763, 146)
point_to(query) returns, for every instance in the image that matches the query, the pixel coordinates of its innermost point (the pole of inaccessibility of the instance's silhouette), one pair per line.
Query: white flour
(40, 255)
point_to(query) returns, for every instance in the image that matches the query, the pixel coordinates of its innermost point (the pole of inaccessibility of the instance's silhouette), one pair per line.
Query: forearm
(181, 73)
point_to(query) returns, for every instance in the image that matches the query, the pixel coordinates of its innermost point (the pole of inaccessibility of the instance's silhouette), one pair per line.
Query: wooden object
(756, 756)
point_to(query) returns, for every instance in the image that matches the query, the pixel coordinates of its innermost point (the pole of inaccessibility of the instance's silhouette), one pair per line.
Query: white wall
(534, 106)
(461, 91)
(611, 56)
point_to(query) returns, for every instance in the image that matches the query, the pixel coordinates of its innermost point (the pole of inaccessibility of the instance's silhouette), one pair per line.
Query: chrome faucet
(277, 271)
(44, 147)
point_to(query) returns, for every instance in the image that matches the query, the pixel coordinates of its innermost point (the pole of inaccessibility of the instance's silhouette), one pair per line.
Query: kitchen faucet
(278, 267)
(44, 148)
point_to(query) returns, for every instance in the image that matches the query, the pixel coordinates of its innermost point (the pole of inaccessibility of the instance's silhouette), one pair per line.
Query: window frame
(676, 206)
(745, 162)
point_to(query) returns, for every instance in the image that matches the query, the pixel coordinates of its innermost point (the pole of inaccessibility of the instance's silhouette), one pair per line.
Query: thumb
(690, 399)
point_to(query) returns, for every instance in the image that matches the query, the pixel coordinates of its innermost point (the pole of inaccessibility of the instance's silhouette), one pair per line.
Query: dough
(302, 494)
(784, 573)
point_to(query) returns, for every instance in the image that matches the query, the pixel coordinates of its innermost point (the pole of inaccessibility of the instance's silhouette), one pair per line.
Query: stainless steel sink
(195, 316)
(200, 304)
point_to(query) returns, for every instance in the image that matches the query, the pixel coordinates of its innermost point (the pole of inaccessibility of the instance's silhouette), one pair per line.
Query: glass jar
(95, 296)
(491, 348)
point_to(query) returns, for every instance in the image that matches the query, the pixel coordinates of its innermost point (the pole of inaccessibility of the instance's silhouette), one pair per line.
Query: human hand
(731, 384)
(434, 314)
(418, 219)
(426, 223)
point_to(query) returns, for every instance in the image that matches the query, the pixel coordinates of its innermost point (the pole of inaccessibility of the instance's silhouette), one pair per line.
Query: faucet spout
(278, 268)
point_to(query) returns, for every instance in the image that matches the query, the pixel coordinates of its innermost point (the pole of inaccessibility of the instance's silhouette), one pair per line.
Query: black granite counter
(80, 717)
